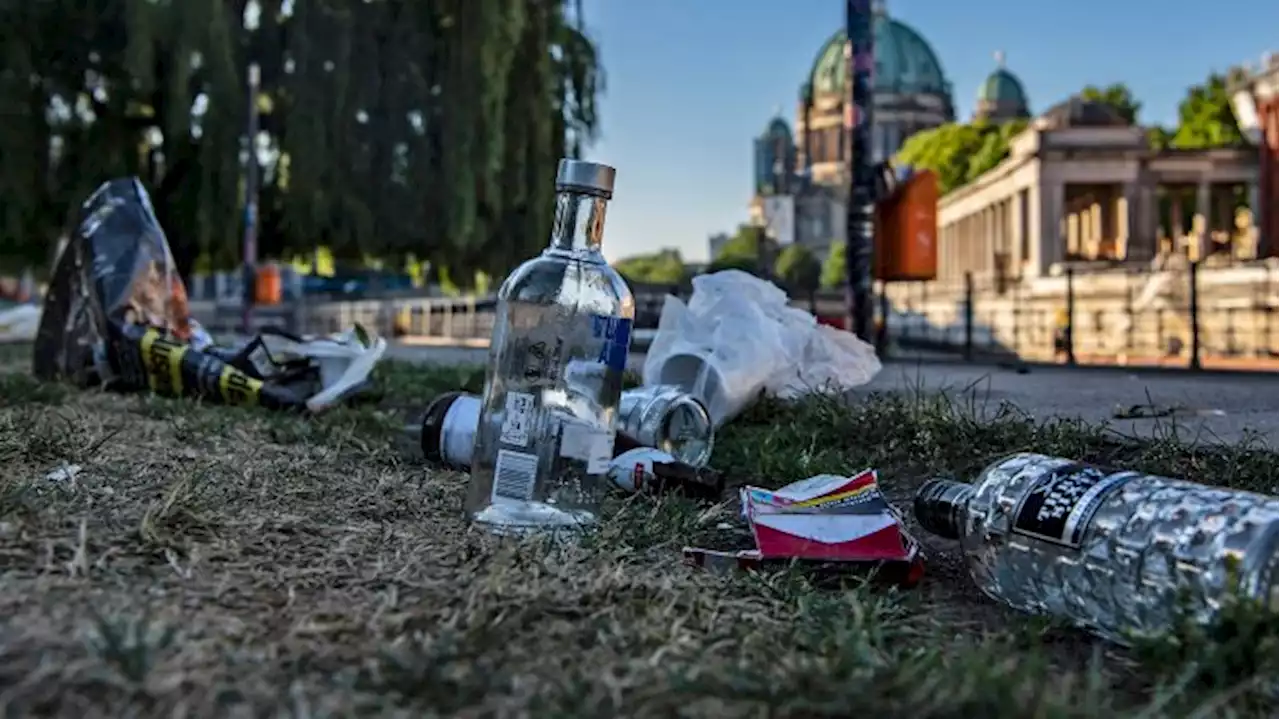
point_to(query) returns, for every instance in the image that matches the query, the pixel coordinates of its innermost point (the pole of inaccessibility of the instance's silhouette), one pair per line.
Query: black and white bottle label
(1063, 501)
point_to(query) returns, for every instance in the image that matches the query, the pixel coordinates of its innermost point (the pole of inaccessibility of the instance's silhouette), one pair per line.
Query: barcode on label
(514, 475)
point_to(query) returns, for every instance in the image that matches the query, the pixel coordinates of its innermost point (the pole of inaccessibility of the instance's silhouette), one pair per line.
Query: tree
(1206, 119)
(959, 153)
(799, 270)
(1158, 138)
(742, 251)
(665, 267)
(1118, 96)
(833, 268)
(398, 130)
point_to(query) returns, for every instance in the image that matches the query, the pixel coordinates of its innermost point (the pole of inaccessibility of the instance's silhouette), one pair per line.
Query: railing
(1191, 317)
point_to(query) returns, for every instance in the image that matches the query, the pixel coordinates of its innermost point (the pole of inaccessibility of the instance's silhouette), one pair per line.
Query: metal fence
(1189, 317)
(425, 319)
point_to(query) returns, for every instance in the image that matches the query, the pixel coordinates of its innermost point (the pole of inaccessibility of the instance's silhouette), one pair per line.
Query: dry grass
(212, 561)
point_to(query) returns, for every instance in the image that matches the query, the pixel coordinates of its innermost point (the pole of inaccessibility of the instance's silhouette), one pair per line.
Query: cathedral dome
(1001, 95)
(905, 63)
(1003, 86)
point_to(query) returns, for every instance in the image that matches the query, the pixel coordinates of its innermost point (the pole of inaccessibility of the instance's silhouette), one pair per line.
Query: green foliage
(741, 252)
(1205, 118)
(1118, 96)
(959, 153)
(798, 269)
(1158, 138)
(665, 267)
(833, 267)
(393, 128)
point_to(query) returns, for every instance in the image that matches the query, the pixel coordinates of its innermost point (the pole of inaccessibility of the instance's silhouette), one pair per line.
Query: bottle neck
(940, 507)
(579, 223)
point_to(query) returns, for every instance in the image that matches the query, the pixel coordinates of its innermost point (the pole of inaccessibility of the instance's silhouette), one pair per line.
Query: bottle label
(1064, 501)
(518, 419)
(588, 443)
(514, 476)
(616, 333)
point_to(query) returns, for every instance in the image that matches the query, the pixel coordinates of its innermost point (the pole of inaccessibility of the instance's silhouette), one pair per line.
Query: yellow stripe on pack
(833, 497)
(238, 388)
(162, 361)
(148, 339)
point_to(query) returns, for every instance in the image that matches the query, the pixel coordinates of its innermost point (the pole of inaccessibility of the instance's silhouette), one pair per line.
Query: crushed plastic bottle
(1120, 553)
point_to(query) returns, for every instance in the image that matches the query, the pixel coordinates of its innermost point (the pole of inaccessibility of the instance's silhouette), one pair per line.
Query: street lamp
(860, 211)
(251, 198)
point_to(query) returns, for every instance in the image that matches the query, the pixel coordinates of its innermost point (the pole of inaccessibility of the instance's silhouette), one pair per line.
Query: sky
(690, 83)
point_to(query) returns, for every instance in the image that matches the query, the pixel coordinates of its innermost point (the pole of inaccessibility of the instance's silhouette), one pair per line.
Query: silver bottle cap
(582, 176)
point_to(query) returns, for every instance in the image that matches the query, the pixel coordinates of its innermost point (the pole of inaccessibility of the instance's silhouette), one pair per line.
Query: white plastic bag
(345, 360)
(738, 337)
(18, 323)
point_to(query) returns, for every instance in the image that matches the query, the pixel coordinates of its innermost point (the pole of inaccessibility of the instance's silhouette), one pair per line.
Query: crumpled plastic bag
(18, 323)
(738, 337)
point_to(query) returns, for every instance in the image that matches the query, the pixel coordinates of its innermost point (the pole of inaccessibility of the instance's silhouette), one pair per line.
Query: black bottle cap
(433, 426)
(939, 504)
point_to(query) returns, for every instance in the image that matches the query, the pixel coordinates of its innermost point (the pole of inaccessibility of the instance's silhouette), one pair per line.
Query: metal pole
(860, 211)
(1194, 280)
(251, 198)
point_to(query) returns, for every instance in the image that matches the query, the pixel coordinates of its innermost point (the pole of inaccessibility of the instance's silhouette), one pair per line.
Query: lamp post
(251, 198)
(860, 210)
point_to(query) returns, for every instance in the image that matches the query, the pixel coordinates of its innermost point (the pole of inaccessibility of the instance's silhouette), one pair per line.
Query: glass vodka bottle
(1118, 553)
(664, 418)
(561, 337)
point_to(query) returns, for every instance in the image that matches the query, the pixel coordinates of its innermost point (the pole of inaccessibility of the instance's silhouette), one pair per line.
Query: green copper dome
(905, 63)
(1003, 87)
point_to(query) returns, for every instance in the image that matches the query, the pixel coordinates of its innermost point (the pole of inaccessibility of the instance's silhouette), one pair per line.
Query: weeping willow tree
(431, 129)
(102, 89)
(390, 129)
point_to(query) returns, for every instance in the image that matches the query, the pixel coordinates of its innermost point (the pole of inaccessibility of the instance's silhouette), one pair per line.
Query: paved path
(1214, 407)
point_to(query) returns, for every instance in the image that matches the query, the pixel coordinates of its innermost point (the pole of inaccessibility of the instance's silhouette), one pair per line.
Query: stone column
(1204, 193)
(1051, 240)
(1017, 228)
(1073, 234)
(1126, 205)
(1255, 204)
(1175, 215)
(1097, 230)
(1035, 231)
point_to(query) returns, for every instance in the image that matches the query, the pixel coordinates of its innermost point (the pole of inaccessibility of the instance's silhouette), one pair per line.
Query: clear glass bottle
(561, 337)
(1118, 553)
(664, 418)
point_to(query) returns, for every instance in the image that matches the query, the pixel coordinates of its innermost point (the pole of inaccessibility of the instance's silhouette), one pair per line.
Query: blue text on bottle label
(616, 333)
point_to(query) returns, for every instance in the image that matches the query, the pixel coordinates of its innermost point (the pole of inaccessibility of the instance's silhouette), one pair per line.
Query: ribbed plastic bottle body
(1120, 553)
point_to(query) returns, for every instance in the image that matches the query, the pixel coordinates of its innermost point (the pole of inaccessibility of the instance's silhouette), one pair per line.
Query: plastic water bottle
(1119, 553)
(561, 337)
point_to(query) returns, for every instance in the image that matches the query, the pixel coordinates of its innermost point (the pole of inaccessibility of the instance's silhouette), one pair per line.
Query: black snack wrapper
(115, 270)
